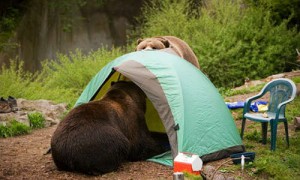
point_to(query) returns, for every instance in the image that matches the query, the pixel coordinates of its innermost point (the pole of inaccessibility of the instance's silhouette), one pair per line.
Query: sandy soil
(23, 157)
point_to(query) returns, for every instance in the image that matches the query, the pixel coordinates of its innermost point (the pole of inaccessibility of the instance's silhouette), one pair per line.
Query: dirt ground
(23, 157)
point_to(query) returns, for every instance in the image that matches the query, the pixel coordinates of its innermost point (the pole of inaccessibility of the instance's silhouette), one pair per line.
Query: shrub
(13, 128)
(65, 78)
(61, 80)
(36, 120)
(231, 39)
(14, 80)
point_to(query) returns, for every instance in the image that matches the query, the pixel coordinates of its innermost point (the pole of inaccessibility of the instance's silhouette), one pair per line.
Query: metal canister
(178, 176)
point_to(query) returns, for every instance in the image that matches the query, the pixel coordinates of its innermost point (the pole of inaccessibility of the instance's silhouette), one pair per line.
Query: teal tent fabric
(195, 116)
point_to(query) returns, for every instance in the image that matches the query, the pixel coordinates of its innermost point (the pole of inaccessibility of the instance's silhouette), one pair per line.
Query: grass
(296, 79)
(61, 81)
(284, 163)
(231, 92)
(189, 176)
(14, 128)
(36, 120)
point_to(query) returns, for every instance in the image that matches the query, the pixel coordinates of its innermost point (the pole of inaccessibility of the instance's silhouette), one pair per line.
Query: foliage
(14, 80)
(72, 73)
(36, 120)
(189, 176)
(67, 10)
(13, 128)
(232, 41)
(62, 80)
(281, 10)
(8, 24)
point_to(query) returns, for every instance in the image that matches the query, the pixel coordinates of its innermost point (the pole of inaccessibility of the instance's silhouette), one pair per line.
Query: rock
(251, 83)
(219, 176)
(276, 76)
(51, 112)
(208, 170)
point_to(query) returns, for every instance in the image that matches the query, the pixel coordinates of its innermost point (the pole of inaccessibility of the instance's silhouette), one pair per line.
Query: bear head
(152, 43)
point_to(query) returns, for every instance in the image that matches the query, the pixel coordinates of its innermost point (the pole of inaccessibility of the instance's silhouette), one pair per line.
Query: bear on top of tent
(182, 103)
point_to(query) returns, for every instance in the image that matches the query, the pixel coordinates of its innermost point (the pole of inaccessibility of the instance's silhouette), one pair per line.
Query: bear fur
(178, 45)
(96, 137)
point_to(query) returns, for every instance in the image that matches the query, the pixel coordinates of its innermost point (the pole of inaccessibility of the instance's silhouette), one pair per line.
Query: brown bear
(178, 45)
(96, 137)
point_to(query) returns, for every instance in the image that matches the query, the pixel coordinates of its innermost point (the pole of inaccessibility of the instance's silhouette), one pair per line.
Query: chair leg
(273, 134)
(286, 133)
(264, 127)
(243, 127)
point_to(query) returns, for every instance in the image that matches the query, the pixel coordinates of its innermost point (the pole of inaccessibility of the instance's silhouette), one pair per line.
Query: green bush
(14, 80)
(13, 128)
(281, 10)
(36, 120)
(61, 80)
(9, 19)
(231, 39)
(65, 78)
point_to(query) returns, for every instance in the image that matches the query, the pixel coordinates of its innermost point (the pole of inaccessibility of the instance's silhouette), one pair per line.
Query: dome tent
(182, 102)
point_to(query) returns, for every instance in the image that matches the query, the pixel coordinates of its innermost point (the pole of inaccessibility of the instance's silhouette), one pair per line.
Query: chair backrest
(281, 90)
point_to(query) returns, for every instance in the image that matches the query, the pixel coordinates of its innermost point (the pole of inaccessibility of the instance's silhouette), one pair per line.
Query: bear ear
(112, 83)
(166, 43)
(139, 41)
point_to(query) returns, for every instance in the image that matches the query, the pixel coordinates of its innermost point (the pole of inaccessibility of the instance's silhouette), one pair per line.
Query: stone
(51, 112)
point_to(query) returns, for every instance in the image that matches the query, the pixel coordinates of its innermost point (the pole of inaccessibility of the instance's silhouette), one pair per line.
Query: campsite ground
(22, 157)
